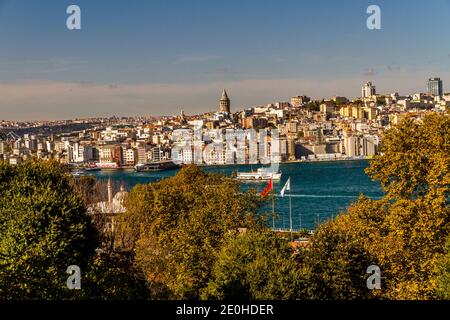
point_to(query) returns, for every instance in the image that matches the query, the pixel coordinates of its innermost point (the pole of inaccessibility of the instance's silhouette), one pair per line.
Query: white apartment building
(130, 157)
(82, 153)
(368, 90)
(214, 153)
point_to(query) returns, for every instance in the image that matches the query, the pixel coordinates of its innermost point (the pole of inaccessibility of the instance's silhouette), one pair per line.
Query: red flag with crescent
(267, 190)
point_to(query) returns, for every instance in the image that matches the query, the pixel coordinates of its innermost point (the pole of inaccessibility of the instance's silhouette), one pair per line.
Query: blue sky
(154, 57)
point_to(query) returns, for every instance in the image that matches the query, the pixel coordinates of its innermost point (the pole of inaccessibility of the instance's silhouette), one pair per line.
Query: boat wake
(321, 196)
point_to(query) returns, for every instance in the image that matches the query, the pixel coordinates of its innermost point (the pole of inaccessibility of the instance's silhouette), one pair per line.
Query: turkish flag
(267, 189)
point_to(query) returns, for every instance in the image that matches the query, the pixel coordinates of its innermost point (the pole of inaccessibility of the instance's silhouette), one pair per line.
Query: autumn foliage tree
(176, 226)
(405, 232)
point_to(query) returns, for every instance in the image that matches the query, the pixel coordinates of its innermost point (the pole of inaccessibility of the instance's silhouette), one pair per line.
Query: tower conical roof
(224, 95)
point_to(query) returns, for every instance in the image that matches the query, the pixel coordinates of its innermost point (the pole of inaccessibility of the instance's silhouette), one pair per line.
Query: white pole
(290, 211)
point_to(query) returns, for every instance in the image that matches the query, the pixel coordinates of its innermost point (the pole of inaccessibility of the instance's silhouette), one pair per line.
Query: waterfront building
(141, 154)
(214, 153)
(111, 153)
(82, 152)
(130, 157)
(369, 146)
(351, 145)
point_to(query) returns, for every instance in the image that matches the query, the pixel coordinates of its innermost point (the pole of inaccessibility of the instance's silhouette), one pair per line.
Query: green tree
(313, 105)
(381, 101)
(44, 229)
(257, 265)
(177, 226)
(114, 275)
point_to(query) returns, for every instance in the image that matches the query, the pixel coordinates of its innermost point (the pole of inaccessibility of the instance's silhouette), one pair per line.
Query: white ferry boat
(262, 174)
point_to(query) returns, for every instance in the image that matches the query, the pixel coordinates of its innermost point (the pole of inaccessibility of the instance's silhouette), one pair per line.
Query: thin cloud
(195, 58)
(62, 100)
(369, 72)
(48, 66)
(222, 71)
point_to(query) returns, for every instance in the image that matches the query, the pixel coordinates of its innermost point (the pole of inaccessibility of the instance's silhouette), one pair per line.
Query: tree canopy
(44, 229)
(198, 235)
(177, 226)
(405, 232)
(257, 265)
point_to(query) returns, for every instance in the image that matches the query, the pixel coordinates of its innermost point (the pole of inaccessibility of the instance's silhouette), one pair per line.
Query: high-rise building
(435, 87)
(225, 102)
(368, 90)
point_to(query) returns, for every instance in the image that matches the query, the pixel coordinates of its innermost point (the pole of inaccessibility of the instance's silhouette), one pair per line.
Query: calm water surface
(320, 190)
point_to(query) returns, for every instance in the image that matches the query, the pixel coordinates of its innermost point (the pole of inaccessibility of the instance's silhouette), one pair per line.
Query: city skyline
(220, 108)
(158, 58)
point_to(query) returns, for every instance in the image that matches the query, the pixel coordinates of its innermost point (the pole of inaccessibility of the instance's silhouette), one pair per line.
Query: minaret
(110, 193)
(182, 118)
(224, 102)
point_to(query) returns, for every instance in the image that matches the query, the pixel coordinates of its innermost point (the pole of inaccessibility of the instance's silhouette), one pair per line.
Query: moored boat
(93, 169)
(155, 166)
(77, 173)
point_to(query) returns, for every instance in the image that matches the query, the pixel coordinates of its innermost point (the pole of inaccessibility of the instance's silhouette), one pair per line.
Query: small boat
(262, 174)
(77, 173)
(93, 169)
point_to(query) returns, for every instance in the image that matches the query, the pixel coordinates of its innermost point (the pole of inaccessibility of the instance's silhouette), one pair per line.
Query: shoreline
(258, 164)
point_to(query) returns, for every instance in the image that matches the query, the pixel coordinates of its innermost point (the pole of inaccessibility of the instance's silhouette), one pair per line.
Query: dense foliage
(176, 227)
(404, 233)
(198, 236)
(43, 230)
(257, 265)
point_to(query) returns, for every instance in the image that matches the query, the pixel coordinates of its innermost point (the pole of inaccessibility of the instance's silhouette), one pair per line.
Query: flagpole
(290, 210)
(300, 218)
(273, 210)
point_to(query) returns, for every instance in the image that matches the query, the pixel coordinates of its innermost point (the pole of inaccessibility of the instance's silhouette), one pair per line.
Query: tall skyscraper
(435, 87)
(225, 102)
(368, 90)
